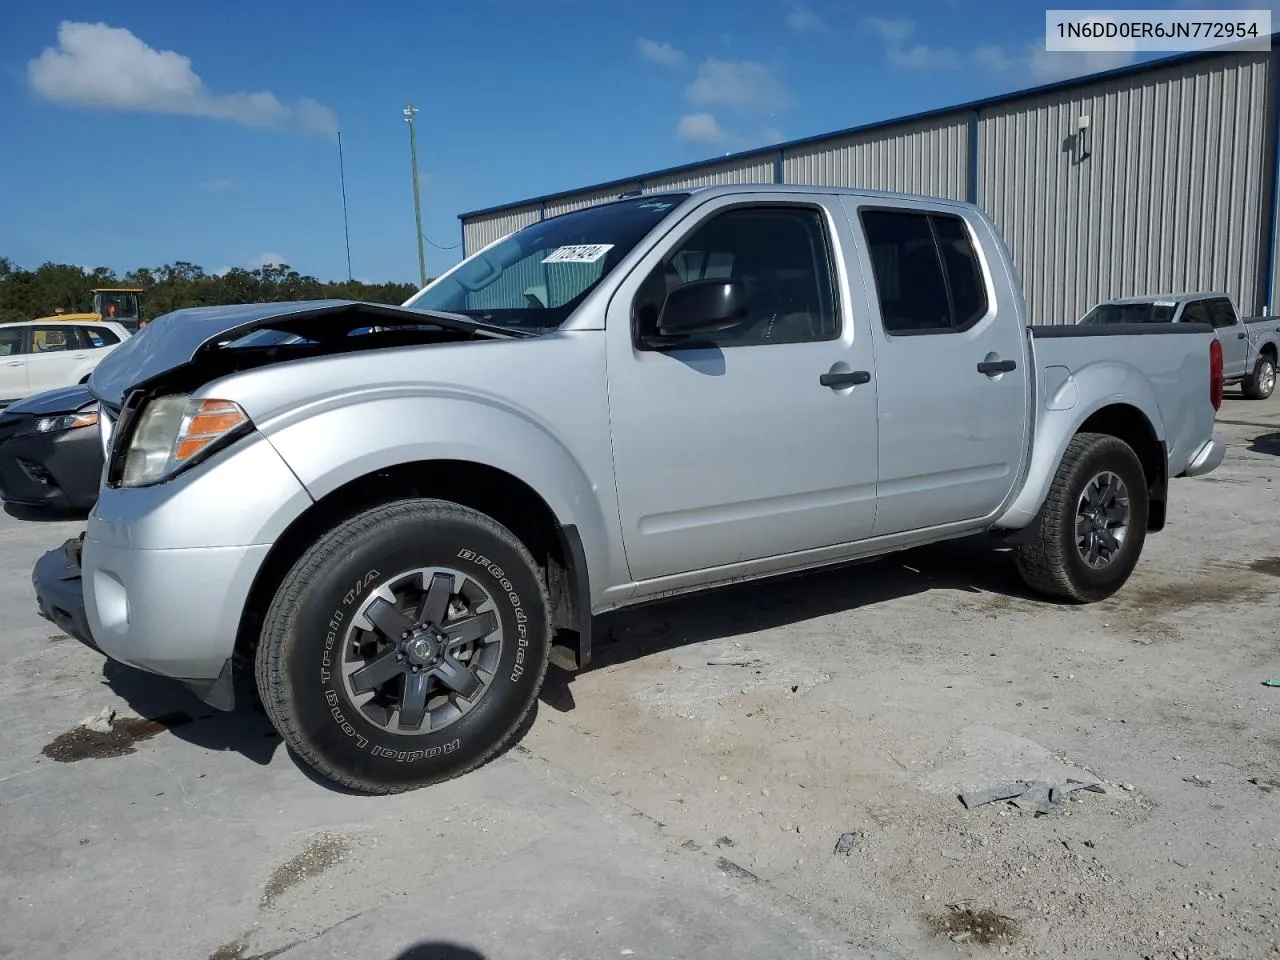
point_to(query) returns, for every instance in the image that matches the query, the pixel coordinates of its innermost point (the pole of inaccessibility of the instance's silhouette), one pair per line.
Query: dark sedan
(50, 451)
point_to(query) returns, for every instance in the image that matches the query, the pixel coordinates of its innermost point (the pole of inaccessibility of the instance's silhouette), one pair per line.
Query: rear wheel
(406, 646)
(1261, 383)
(1093, 524)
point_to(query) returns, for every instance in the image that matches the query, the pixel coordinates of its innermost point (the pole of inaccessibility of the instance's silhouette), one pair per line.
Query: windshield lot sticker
(578, 253)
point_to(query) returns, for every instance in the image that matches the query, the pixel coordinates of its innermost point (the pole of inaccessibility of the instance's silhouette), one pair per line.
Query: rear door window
(11, 341)
(928, 277)
(1196, 312)
(53, 339)
(1221, 313)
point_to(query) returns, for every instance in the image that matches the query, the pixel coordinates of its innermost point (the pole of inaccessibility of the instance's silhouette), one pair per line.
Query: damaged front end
(159, 369)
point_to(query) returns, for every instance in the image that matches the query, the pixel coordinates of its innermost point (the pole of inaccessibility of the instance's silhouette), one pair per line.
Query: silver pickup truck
(1250, 346)
(400, 530)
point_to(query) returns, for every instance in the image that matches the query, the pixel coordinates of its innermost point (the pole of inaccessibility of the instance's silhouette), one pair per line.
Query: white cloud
(96, 65)
(265, 260)
(1032, 63)
(662, 53)
(738, 83)
(700, 128)
(993, 57)
(219, 186)
(803, 20)
(1063, 64)
(772, 135)
(424, 179)
(895, 35)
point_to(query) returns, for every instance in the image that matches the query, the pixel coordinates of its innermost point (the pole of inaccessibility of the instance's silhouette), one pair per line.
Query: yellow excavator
(123, 305)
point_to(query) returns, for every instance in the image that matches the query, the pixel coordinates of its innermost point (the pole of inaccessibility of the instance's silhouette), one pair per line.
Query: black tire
(1053, 563)
(305, 633)
(1261, 383)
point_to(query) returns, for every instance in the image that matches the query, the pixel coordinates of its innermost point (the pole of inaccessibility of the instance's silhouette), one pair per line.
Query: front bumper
(169, 612)
(1207, 459)
(58, 470)
(60, 592)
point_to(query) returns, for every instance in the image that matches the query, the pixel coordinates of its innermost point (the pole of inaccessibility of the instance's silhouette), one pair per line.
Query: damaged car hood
(186, 336)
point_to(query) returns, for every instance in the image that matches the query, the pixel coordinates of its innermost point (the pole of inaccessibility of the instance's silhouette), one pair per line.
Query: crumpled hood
(61, 400)
(182, 336)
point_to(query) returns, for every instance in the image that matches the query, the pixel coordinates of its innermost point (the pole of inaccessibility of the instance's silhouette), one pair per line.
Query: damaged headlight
(175, 431)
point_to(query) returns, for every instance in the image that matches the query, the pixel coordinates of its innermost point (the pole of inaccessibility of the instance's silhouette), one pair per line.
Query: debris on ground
(1197, 780)
(100, 722)
(1266, 786)
(740, 660)
(848, 841)
(1033, 795)
(966, 925)
(725, 842)
(1271, 683)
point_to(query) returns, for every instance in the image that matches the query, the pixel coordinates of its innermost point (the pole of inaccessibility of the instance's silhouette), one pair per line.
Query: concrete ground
(684, 797)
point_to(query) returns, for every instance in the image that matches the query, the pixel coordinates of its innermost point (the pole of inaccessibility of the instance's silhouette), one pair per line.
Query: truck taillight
(1215, 373)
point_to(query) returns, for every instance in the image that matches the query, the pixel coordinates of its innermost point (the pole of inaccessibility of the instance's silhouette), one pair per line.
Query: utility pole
(409, 112)
(346, 229)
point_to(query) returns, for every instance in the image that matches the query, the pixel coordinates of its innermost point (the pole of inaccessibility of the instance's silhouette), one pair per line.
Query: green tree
(27, 294)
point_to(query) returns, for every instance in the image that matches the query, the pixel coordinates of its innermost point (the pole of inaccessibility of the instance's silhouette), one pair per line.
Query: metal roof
(1145, 66)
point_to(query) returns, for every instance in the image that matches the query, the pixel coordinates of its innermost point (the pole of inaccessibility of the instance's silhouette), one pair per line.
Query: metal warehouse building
(1171, 185)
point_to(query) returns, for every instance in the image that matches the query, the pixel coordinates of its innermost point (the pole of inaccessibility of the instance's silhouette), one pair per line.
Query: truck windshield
(1148, 312)
(536, 277)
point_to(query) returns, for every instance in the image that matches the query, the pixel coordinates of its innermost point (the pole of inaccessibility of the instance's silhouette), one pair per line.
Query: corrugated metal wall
(579, 201)
(750, 170)
(1169, 198)
(1173, 195)
(482, 231)
(930, 157)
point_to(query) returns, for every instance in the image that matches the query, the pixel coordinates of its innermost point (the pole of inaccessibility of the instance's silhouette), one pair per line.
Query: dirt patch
(235, 950)
(1268, 565)
(321, 852)
(966, 925)
(1163, 598)
(83, 743)
(58, 638)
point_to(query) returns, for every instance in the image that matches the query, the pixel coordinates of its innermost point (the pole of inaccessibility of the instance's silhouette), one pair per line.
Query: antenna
(409, 113)
(346, 229)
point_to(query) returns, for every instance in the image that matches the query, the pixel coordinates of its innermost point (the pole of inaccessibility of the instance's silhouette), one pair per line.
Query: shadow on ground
(1267, 443)
(438, 951)
(971, 565)
(20, 511)
(246, 730)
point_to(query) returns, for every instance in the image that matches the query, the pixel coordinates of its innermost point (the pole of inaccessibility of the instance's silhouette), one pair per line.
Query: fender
(331, 444)
(1104, 384)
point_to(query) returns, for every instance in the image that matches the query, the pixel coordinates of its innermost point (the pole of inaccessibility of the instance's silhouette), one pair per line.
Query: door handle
(850, 379)
(80, 356)
(991, 367)
(15, 363)
(1241, 336)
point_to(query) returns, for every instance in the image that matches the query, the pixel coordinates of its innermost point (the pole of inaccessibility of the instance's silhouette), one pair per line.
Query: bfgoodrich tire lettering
(312, 642)
(1100, 481)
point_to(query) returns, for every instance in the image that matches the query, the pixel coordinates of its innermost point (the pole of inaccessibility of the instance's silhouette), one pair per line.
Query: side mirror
(702, 307)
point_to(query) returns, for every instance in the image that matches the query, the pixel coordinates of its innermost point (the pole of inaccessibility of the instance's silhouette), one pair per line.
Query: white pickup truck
(400, 529)
(1250, 346)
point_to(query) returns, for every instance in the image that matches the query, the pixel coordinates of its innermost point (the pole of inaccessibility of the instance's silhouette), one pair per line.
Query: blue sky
(139, 133)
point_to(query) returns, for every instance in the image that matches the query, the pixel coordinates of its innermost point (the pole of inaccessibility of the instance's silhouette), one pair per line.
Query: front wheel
(1260, 384)
(1093, 524)
(406, 646)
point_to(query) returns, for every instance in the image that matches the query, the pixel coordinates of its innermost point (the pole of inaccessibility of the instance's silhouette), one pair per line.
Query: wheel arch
(557, 547)
(1131, 420)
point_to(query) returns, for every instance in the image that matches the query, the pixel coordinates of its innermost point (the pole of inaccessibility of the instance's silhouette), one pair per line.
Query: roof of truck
(1173, 298)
